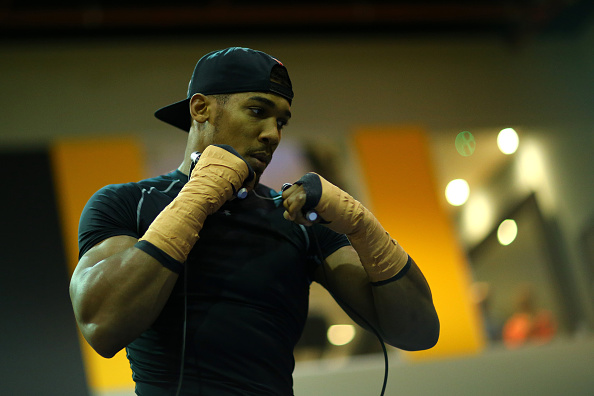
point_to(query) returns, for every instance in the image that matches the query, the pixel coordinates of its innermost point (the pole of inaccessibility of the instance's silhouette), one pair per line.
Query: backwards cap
(226, 71)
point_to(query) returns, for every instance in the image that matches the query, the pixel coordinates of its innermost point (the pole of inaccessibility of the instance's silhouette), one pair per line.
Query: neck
(184, 167)
(191, 145)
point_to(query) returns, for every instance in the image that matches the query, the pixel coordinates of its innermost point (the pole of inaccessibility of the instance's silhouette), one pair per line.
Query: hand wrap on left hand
(382, 257)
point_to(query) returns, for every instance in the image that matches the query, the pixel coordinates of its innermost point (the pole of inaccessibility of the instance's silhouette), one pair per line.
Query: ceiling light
(507, 232)
(457, 192)
(508, 141)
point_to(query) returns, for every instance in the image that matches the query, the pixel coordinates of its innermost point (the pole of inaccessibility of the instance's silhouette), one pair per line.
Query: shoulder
(113, 194)
(172, 181)
(115, 209)
(134, 190)
(326, 240)
(115, 190)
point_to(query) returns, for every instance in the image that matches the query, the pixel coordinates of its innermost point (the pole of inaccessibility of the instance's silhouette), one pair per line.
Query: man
(208, 292)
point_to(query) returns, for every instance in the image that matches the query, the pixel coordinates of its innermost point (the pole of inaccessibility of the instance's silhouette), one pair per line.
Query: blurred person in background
(528, 324)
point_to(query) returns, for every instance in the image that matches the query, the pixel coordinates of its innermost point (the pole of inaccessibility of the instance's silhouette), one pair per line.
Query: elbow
(428, 335)
(104, 333)
(429, 339)
(99, 334)
(417, 343)
(427, 329)
(99, 339)
(419, 337)
(95, 328)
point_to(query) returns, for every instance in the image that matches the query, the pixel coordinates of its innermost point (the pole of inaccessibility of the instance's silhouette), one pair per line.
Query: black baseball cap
(226, 71)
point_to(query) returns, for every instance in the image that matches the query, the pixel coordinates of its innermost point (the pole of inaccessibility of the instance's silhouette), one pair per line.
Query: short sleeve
(328, 241)
(111, 211)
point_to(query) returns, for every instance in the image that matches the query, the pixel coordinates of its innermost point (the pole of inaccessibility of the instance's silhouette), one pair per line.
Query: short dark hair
(221, 99)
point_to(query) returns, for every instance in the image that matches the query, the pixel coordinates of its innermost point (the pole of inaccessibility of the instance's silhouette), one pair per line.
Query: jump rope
(310, 215)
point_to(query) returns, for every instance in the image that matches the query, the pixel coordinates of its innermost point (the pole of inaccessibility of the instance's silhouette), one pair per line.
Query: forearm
(402, 298)
(395, 296)
(405, 312)
(401, 311)
(118, 298)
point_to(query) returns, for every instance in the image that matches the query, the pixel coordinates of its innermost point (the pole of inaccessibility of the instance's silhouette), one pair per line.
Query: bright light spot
(507, 232)
(457, 192)
(341, 334)
(508, 141)
(477, 217)
(530, 167)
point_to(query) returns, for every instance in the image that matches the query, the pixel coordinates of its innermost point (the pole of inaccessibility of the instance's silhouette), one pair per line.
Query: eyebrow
(269, 103)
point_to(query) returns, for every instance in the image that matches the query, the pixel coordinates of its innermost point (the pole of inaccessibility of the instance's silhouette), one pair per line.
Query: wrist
(339, 210)
(166, 260)
(381, 256)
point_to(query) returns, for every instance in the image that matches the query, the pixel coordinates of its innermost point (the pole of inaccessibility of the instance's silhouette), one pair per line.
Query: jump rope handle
(310, 215)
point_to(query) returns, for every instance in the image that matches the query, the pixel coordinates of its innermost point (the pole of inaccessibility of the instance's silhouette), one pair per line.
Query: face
(251, 123)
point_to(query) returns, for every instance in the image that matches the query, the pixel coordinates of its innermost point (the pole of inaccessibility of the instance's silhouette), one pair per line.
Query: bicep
(101, 251)
(343, 276)
(343, 264)
(117, 291)
(401, 312)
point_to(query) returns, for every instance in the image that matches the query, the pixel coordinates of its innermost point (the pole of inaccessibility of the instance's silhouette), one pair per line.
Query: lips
(262, 158)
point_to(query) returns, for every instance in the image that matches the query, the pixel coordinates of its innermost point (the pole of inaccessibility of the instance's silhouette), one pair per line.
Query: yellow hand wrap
(213, 181)
(382, 257)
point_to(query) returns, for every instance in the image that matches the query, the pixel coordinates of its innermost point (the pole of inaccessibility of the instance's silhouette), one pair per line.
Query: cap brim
(176, 114)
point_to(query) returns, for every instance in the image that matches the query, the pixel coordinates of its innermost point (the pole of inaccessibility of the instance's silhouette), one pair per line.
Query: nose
(271, 134)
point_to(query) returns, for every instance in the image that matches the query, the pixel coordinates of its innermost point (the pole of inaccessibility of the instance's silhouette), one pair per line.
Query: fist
(294, 202)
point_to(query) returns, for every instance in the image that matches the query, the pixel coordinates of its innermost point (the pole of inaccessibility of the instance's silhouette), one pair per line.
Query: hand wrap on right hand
(219, 173)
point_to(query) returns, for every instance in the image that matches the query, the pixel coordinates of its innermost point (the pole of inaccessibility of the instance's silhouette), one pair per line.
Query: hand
(224, 161)
(294, 200)
(336, 209)
(250, 181)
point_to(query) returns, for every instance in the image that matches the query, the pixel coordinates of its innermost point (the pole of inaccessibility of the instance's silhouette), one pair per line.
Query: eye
(257, 111)
(280, 124)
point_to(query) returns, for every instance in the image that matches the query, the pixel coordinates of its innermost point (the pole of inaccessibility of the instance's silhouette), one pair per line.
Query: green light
(465, 143)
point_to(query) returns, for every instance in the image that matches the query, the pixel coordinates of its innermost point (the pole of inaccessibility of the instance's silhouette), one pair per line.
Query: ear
(200, 107)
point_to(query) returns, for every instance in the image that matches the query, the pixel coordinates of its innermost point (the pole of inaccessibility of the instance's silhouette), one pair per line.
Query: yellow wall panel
(81, 167)
(398, 171)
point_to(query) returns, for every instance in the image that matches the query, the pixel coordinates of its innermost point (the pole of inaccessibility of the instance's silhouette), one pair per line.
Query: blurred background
(466, 127)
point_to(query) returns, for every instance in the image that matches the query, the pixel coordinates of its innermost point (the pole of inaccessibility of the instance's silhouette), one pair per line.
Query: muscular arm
(121, 284)
(395, 300)
(117, 291)
(401, 311)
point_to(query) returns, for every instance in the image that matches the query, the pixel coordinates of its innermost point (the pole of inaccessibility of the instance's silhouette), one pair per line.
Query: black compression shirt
(244, 289)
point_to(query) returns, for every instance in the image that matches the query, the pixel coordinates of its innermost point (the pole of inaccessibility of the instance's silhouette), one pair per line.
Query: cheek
(238, 133)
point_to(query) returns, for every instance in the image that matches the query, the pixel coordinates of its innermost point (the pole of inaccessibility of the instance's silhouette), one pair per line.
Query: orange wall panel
(81, 167)
(398, 172)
